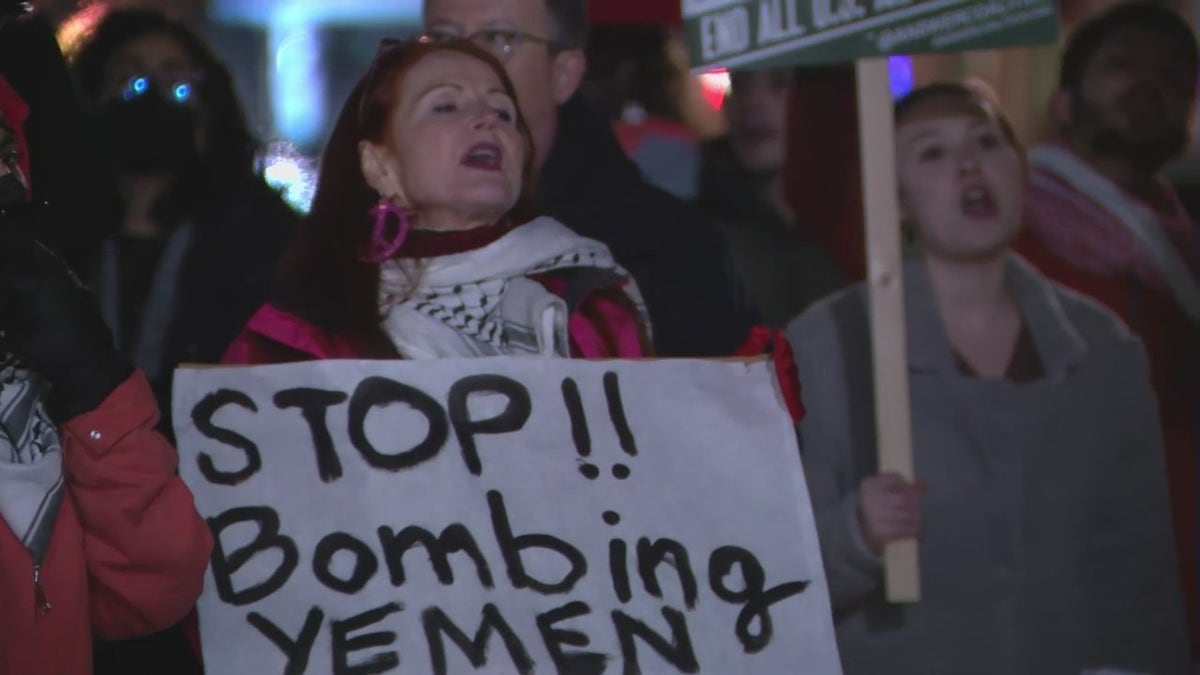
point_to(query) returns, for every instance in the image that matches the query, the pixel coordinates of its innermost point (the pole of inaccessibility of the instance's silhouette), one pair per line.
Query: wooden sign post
(748, 34)
(885, 275)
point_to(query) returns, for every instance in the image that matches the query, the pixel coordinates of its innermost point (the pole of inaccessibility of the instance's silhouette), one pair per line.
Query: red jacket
(128, 553)
(1077, 243)
(274, 335)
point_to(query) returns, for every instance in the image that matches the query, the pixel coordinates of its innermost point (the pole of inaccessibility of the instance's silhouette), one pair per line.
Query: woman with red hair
(420, 242)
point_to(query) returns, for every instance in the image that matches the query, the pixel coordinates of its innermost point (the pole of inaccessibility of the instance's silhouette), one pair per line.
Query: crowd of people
(472, 202)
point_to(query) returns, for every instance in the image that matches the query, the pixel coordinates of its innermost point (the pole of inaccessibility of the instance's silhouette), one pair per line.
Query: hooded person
(200, 230)
(98, 536)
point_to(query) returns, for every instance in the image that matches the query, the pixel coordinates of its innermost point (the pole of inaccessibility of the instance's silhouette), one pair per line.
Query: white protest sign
(569, 516)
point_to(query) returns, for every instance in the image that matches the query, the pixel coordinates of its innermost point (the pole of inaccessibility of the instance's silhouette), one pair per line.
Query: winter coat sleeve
(145, 546)
(248, 349)
(604, 327)
(775, 344)
(852, 570)
(1131, 587)
(274, 336)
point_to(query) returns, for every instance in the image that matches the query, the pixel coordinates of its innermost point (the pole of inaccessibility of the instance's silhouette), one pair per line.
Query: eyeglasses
(501, 43)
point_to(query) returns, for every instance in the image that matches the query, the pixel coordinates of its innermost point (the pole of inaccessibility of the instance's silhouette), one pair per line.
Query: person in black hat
(98, 536)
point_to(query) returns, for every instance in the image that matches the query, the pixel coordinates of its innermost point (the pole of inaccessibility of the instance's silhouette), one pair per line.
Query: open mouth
(485, 156)
(978, 202)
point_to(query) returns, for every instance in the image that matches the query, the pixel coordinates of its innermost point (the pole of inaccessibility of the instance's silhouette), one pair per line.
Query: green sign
(765, 33)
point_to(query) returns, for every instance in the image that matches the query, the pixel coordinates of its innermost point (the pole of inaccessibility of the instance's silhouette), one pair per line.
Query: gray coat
(1046, 545)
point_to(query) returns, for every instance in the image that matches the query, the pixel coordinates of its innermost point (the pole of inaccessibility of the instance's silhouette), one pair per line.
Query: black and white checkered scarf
(482, 302)
(31, 474)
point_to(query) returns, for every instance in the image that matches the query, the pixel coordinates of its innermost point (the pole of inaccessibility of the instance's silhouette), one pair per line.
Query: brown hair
(323, 277)
(906, 105)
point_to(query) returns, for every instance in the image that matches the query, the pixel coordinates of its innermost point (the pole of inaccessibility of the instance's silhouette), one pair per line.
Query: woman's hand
(889, 509)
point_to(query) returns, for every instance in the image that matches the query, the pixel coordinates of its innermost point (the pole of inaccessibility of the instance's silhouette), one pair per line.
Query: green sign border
(923, 27)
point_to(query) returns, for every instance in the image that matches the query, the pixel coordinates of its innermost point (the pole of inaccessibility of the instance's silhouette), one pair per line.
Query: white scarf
(31, 477)
(482, 303)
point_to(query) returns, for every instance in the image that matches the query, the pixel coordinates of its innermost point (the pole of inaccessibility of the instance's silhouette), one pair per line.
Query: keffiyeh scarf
(1090, 221)
(31, 475)
(483, 303)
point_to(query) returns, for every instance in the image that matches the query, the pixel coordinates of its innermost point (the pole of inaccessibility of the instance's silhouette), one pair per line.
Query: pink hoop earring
(380, 247)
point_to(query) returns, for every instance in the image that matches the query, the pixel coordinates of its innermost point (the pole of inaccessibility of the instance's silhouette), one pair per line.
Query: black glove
(52, 324)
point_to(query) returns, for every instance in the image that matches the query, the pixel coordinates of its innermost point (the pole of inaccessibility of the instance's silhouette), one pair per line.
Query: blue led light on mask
(138, 86)
(181, 92)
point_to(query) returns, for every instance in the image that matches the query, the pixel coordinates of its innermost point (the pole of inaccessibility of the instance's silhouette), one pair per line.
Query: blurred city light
(297, 81)
(902, 75)
(297, 74)
(292, 173)
(715, 84)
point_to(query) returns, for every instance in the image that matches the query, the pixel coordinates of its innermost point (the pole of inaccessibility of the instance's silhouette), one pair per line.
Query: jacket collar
(1059, 343)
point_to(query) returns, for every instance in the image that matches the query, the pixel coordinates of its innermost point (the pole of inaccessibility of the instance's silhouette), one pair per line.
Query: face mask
(12, 189)
(149, 134)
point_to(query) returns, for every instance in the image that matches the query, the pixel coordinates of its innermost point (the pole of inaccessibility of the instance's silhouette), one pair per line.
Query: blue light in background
(902, 75)
(268, 12)
(297, 81)
(297, 74)
(294, 30)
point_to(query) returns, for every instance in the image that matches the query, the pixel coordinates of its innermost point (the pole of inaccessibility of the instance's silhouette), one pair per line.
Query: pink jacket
(128, 552)
(274, 335)
(277, 336)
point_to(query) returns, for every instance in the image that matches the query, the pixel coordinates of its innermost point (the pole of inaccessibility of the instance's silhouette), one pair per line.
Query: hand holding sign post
(770, 33)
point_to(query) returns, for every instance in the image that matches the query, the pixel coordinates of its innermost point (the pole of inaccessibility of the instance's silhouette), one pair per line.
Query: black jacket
(240, 235)
(240, 232)
(672, 249)
(784, 270)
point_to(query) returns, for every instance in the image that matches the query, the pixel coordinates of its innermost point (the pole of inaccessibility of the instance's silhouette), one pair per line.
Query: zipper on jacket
(41, 603)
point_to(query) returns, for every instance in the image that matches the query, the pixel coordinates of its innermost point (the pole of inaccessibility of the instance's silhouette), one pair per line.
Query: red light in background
(715, 85)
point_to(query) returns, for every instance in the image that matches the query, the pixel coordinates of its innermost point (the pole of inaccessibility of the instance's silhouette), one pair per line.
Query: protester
(119, 552)
(201, 231)
(1041, 502)
(587, 182)
(1102, 219)
(635, 78)
(100, 537)
(418, 244)
(742, 186)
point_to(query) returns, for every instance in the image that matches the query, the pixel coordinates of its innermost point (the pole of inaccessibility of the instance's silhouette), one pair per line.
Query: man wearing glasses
(587, 182)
